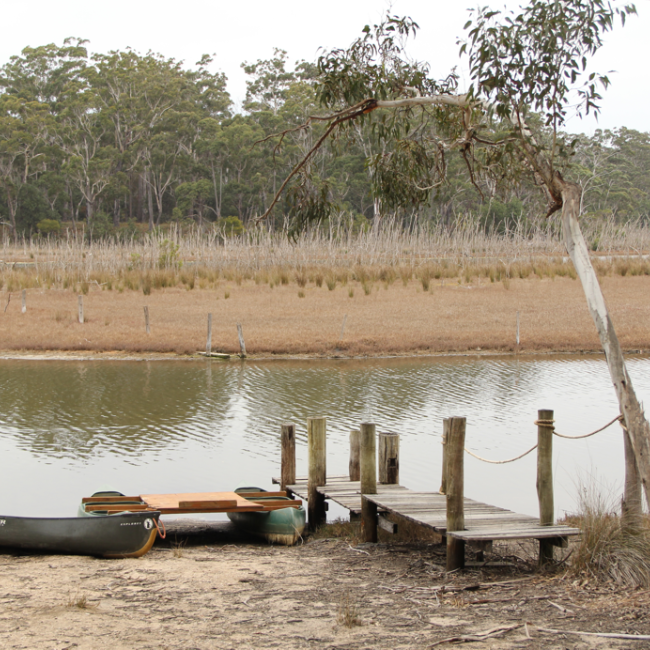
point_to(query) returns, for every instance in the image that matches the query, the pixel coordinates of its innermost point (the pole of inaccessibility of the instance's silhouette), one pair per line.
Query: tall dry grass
(202, 259)
(606, 551)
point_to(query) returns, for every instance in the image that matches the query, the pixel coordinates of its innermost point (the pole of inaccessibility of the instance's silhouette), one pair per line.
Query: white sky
(249, 30)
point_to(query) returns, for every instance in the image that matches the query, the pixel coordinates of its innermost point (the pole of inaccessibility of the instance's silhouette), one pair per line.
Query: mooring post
(242, 343)
(80, 300)
(443, 480)
(24, 307)
(389, 458)
(316, 440)
(288, 441)
(545, 480)
(146, 320)
(455, 448)
(368, 449)
(355, 471)
(208, 343)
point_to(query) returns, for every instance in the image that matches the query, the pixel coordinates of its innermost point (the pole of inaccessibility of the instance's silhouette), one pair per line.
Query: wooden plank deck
(483, 522)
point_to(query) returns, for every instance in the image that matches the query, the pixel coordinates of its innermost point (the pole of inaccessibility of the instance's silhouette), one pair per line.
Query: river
(70, 427)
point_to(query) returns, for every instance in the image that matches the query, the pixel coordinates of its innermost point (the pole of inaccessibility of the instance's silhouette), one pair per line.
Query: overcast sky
(248, 30)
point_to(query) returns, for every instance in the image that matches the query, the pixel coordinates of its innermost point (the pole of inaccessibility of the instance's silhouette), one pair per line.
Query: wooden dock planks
(483, 522)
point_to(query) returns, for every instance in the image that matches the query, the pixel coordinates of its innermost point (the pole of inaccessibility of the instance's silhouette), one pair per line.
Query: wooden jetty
(448, 512)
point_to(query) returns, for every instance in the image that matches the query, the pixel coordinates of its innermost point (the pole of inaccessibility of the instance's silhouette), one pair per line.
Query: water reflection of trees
(75, 409)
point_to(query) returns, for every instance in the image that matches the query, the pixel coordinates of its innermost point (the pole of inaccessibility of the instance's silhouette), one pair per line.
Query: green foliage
(168, 257)
(231, 226)
(48, 226)
(533, 59)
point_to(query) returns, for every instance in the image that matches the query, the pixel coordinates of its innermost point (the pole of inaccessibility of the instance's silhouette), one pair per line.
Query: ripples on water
(67, 427)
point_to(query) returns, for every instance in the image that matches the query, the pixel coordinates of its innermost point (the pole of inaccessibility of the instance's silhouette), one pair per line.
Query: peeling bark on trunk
(636, 424)
(632, 502)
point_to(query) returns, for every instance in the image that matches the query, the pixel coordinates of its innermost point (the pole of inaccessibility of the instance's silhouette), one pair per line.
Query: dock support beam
(368, 448)
(443, 480)
(389, 458)
(316, 437)
(455, 480)
(545, 480)
(288, 441)
(355, 470)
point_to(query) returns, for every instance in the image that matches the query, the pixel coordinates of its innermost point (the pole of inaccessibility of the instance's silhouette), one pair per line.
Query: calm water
(68, 427)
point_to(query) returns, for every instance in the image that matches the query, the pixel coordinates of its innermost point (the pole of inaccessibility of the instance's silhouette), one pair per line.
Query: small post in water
(208, 343)
(354, 468)
(389, 458)
(517, 329)
(455, 492)
(316, 441)
(545, 480)
(288, 441)
(24, 308)
(81, 309)
(242, 344)
(368, 448)
(146, 319)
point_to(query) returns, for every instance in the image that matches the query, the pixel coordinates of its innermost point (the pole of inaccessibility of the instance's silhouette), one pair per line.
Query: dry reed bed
(330, 258)
(436, 290)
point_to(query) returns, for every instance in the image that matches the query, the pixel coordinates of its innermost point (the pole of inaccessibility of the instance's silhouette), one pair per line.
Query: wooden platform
(191, 502)
(483, 522)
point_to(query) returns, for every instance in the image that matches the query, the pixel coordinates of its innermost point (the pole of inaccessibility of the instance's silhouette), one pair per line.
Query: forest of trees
(114, 140)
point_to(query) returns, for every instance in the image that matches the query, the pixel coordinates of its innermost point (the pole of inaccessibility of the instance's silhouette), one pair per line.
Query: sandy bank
(214, 591)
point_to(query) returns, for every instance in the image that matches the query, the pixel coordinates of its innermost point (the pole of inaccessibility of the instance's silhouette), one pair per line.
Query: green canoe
(282, 526)
(129, 534)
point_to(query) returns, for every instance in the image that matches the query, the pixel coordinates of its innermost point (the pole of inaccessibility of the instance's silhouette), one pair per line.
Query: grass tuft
(607, 552)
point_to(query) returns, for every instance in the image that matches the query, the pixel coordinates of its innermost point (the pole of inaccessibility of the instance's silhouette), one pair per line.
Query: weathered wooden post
(355, 471)
(208, 343)
(389, 458)
(146, 319)
(455, 487)
(288, 441)
(368, 466)
(242, 343)
(443, 480)
(81, 308)
(24, 307)
(545, 480)
(316, 442)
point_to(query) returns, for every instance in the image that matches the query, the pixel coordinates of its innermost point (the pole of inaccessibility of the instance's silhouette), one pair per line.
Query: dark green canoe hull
(122, 535)
(283, 526)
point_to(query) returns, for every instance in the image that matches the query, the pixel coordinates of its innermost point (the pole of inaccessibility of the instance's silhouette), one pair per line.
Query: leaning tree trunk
(636, 425)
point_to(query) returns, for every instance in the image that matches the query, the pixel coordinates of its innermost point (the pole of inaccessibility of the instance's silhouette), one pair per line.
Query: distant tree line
(119, 139)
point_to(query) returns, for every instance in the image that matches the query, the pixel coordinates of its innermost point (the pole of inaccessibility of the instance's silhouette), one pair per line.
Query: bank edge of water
(112, 355)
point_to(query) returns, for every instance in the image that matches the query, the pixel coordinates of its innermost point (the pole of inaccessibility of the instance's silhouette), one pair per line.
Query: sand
(217, 591)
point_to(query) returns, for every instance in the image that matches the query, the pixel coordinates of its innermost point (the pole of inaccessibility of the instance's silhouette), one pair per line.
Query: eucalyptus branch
(365, 107)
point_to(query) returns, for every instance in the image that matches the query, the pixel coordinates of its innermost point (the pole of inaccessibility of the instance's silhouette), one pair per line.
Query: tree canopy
(123, 136)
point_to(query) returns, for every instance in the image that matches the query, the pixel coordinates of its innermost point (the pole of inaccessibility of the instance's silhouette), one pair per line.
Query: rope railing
(550, 424)
(500, 462)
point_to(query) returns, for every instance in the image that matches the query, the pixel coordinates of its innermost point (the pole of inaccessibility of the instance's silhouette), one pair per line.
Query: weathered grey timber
(482, 521)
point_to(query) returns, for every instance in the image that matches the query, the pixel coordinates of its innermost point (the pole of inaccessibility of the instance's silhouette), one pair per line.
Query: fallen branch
(480, 636)
(605, 635)
(562, 608)
(7, 305)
